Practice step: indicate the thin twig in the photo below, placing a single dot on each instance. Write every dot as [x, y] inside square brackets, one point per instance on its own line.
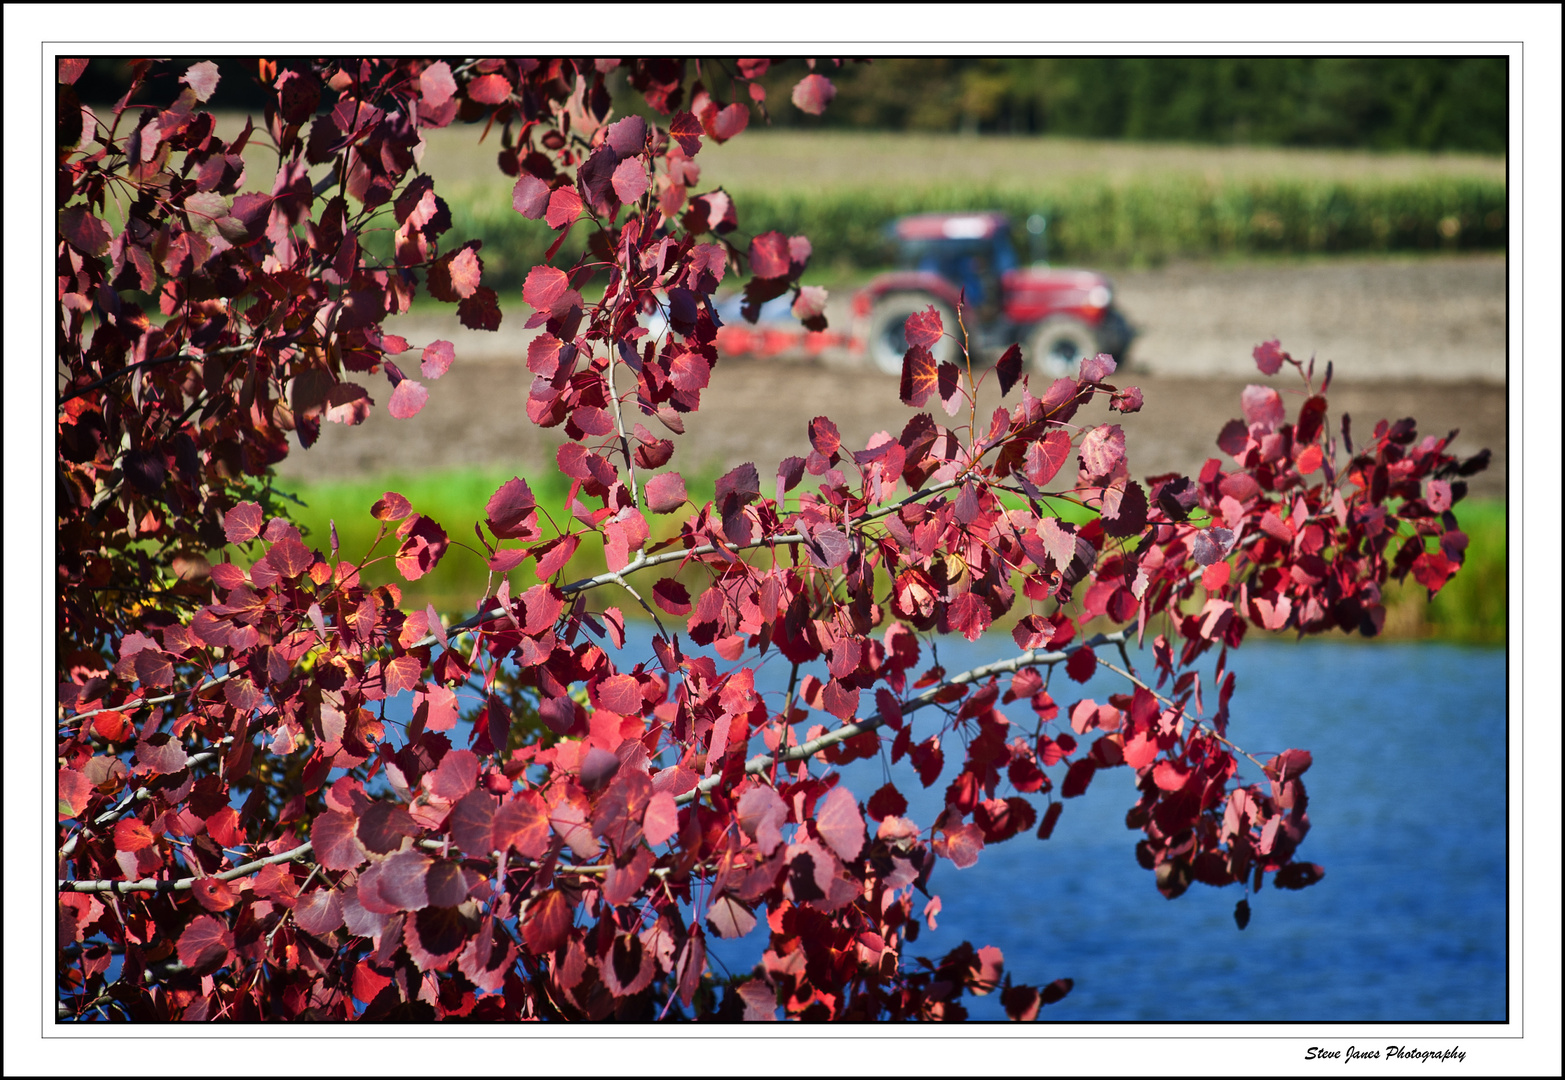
[1031, 658]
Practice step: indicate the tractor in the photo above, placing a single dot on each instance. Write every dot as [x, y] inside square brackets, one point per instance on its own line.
[946, 260]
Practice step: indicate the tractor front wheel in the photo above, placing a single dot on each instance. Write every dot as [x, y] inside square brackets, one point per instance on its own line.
[1056, 347]
[887, 341]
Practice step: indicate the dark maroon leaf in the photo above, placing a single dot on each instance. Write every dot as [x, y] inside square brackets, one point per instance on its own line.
[512, 513]
[1009, 368]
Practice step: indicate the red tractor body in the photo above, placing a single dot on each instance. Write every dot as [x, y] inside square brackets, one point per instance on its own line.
[947, 260]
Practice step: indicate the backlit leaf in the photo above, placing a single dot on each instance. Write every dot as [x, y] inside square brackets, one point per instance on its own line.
[812, 93]
[206, 942]
[920, 376]
[924, 328]
[839, 823]
[407, 399]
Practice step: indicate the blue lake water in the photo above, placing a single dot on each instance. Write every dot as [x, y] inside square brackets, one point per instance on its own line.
[1407, 811]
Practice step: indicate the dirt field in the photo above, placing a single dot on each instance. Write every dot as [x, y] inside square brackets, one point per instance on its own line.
[1422, 338]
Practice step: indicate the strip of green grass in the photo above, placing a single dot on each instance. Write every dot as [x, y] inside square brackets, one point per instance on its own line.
[1470, 609]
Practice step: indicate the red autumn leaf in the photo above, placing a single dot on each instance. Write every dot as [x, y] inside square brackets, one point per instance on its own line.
[530, 197]
[455, 776]
[472, 822]
[1046, 456]
[961, 845]
[620, 694]
[1009, 368]
[544, 287]
[407, 399]
[334, 838]
[243, 523]
[810, 306]
[1298, 876]
[436, 359]
[425, 542]
[214, 894]
[1262, 405]
[86, 233]
[391, 507]
[206, 942]
[564, 207]
[75, 791]
[686, 130]
[489, 89]
[920, 375]
[522, 823]
[1432, 570]
[671, 596]
[1127, 400]
[1094, 369]
[161, 754]
[132, 834]
[761, 814]
[839, 823]
[769, 255]
[1102, 448]
[1209, 545]
[630, 179]
[435, 84]
[730, 121]
[1269, 356]
[666, 493]
[924, 328]
[401, 880]
[812, 93]
[548, 922]
[1077, 777]
[318, 912]
[512, 512]
[661, 820]
[1051, 817]
[824, 436]
[1083, 663]
[969, 615]
[728, 918]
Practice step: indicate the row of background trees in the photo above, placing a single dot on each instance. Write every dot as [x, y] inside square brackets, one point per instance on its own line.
[1435, 103]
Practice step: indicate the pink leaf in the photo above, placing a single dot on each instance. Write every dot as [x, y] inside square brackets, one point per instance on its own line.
[202, 78]
[813, 93]
[564, 208]
[1269, 356]
[1262, 405]
[407, 399]
[436, 359]
[630, 179]
[839, 823]
[243, 523]
[666, 493]
[769, 255]
[530, 196]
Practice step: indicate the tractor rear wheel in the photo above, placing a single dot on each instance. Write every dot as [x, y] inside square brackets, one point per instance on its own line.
[887, 342]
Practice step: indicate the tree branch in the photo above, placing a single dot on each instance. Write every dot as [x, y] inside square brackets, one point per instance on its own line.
[183, 884]
[1030, 658]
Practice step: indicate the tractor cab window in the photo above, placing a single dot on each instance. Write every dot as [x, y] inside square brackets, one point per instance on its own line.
[973, 265]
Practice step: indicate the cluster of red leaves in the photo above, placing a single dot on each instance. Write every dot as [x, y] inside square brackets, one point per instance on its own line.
[246, 826]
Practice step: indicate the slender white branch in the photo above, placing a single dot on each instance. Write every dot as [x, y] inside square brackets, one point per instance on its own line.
[1030, 658]
[183, 884]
